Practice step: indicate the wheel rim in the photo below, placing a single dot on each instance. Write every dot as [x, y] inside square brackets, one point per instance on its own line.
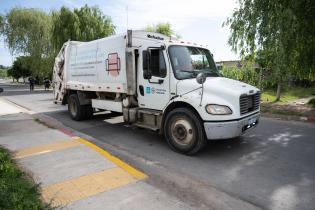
[73, 108]
[182, 132]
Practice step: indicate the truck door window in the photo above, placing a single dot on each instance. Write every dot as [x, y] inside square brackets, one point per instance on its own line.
[157, 63]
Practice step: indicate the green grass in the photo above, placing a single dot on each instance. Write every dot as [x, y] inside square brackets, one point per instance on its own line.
[16, 191]
[288, 94]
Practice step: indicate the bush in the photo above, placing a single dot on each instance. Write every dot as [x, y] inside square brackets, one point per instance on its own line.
[245, 74]
[3, 73]
[251, 76]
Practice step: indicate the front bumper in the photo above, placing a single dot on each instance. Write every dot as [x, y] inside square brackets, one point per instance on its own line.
[230, 129]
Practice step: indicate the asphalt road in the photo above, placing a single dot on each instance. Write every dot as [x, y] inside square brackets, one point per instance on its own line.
[271, 166]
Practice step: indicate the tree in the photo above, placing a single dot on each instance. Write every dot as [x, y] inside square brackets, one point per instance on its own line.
[93, 23]
[162, 28]
[20, 68]
[282, 31]
[27, 32]
[84, 24]
[65, 26]
[1, 23]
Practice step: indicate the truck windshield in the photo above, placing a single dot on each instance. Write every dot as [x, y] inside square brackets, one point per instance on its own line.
[187, 62]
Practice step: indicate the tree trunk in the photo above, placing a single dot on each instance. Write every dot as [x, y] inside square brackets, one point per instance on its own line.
[260, 78]
[278, 91]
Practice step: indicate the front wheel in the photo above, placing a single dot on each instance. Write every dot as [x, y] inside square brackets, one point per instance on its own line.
[184, 132]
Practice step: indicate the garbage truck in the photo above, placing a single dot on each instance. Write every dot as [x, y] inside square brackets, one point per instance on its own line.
[156, 82]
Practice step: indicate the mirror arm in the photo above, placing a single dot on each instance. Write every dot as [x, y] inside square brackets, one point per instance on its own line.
[201, 94]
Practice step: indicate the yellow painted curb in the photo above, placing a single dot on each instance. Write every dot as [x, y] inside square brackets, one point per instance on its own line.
[134, 172]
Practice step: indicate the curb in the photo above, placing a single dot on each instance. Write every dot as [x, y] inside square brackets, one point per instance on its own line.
[134, 172]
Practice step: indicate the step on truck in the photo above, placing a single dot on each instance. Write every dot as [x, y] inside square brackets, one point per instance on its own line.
[156, 82]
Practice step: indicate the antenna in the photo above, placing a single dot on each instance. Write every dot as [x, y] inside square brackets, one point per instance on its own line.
[127, 16]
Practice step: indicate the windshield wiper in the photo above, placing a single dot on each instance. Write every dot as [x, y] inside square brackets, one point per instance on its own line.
[189, 71]
[193, 72]
[210, 72]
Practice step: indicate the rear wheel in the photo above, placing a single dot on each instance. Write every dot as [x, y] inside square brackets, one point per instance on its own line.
[78, 112]
[183, 131]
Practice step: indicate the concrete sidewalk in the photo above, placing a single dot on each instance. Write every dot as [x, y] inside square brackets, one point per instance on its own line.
[74, 173]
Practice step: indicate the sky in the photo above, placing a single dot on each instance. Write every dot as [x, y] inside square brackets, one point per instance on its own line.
[197, 21]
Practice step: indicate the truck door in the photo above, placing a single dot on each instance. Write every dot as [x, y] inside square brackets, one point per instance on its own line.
[153, 92]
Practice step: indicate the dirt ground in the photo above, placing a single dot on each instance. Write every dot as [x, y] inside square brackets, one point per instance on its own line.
[293, 110]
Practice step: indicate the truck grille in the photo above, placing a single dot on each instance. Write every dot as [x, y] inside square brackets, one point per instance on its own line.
[249, 103]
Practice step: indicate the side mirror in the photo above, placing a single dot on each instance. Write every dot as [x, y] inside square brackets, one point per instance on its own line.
[146, 64]
[201, 78]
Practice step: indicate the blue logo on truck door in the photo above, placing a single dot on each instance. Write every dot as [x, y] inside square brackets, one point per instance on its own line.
[153, 91]
[147, 90]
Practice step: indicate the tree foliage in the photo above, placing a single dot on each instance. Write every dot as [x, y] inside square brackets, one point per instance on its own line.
[93, 23]
[3, 73]
[20, 68]
[162, 28]
[84, 24]
[280, 31]
[65, 26]
[246, 74]
[28, 32]
[39, 36]
[1, 23]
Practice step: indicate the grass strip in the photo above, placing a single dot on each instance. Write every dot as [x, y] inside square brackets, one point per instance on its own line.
[16, 190]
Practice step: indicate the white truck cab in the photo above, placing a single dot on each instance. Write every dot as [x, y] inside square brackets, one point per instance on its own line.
[156, 82]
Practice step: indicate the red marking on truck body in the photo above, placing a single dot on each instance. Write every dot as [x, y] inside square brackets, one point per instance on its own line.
[113, 64]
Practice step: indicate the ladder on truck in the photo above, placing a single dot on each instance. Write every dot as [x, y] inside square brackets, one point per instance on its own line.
[58, 76]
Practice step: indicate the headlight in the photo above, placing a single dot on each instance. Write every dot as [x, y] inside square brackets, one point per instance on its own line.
[218, 109]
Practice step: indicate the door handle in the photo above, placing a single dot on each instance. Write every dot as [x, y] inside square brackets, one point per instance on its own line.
[160, 81]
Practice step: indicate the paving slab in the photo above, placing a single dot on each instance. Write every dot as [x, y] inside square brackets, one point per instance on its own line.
[15, 117]
[5, 110]
[20, 127]
[58, 166]
[86, 186]
[45, 148]
[135, 196]
[22, 140]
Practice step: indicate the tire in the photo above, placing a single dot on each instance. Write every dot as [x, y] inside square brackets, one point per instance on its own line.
[78, 112]
[184, 132]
